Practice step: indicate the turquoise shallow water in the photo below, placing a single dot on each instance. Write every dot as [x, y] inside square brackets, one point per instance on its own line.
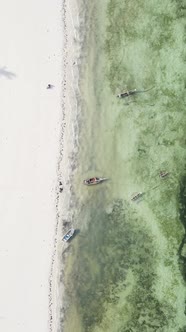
[126, 268]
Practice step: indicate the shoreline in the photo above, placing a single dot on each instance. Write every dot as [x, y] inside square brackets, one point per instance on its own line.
[66, 162]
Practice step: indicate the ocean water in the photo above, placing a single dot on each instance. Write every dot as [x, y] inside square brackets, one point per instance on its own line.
[126, 267]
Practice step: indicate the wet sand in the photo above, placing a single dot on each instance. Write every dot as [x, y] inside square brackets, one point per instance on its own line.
[66, 162]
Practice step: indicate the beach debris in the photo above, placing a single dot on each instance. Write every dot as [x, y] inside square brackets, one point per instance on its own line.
[60, 187]
[66, 223]
[68, 235]
[136, 196]
[163, 174]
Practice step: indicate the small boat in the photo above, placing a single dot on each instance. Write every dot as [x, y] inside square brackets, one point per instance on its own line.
[163, 174]
[126, 93]
[93, 181]
[136, 196]
[68, 235]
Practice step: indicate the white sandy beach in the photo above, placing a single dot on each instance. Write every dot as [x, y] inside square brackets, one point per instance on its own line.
[30, 58]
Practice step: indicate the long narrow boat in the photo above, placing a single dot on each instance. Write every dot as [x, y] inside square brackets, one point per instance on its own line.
[93, 181]
[163, 174]
[126, 93]
[68, 235]
[136, 196]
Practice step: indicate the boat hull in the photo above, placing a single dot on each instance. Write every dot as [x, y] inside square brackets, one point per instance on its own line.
[93, 181]
[68, 235]
[126, 94]
[137, 196]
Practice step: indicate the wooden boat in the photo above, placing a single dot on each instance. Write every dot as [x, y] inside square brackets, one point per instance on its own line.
[163, 174]
[126, 93]
[93, 181]
[68, 235]
[136, 196]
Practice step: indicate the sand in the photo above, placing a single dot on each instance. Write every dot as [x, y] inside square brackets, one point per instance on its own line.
[31, 57]
[66, 163]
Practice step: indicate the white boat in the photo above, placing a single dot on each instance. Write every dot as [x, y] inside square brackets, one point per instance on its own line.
[68, 235]
[126, 93]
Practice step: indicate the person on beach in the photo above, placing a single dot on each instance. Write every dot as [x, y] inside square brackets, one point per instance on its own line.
[50, 86]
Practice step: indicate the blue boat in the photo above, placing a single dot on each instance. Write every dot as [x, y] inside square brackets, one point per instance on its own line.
[68, 235]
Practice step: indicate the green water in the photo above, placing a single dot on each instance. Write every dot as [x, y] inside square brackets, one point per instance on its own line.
[126, 267]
